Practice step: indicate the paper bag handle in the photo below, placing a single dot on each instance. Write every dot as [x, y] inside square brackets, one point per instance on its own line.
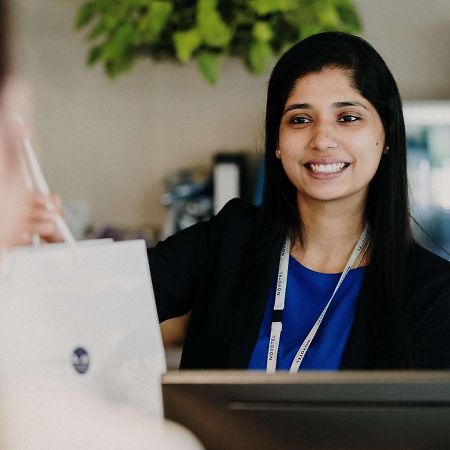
[35, 177]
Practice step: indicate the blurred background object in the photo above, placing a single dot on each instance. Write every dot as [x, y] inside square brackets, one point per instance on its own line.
[428, 141]
[149, 233]
[188, 199]
[78, 217]
[229, 178]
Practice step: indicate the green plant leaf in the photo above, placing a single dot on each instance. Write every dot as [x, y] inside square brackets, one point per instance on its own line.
[309, 29]
[260, 56]
[327, 14]
[208, 63]
[262, 32]
[264, 7]
[95, 54]
[286, 46]
[114, 68]
[214, 31]
[119, 43]
[97, 31]
[186, 42]
[111, 20]
[349, 17]
[85, 14]
[155, 20]
[303, 13]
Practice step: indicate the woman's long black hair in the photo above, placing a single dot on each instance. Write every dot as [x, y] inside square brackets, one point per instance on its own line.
[387, 207]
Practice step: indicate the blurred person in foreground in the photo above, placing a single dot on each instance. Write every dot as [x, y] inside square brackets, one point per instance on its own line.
[22, 213]
[38, 414]
[12, 195]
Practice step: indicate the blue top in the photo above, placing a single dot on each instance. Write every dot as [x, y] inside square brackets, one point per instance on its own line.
[307, 293]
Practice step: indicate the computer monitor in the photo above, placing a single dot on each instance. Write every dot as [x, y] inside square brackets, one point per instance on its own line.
[236, 410]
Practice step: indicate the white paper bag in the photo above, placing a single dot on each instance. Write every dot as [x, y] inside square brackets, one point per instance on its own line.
[84, 316]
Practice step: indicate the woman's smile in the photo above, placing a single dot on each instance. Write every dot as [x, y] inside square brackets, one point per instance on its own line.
[320, 168]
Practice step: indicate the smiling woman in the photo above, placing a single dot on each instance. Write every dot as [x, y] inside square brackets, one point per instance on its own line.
[326, 274]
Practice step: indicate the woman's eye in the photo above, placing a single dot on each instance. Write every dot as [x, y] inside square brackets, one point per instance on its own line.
[348, 118]
[299, 120]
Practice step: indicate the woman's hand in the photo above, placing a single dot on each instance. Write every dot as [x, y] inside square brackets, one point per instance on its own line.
[38, 220]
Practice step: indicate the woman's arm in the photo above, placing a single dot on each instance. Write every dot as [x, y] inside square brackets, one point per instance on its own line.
[176, 265]
[186, 262]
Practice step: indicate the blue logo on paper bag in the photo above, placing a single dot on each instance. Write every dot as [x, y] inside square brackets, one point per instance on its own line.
[80, 360]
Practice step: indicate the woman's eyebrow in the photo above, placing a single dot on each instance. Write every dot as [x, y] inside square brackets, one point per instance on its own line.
[344, 104]
[297, 106]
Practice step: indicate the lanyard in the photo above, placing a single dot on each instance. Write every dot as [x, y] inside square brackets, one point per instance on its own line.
[280, 294]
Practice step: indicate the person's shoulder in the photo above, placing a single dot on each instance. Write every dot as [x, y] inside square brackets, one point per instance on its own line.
[235, 224]
[238, 206]
[428, 263]
[429, 272]
[238, 212]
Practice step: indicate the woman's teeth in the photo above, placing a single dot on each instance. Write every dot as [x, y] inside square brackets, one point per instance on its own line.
[328, 168]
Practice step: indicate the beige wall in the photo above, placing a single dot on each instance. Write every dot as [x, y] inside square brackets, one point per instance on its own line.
[111, 142]
[414, 38]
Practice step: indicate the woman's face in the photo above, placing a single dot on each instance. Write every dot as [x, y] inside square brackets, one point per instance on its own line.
[331, 138]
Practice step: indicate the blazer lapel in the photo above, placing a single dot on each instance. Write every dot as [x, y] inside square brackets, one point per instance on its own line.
[258, 275]
[356, 353]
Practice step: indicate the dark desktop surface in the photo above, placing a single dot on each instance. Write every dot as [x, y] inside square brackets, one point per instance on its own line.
[312, 410]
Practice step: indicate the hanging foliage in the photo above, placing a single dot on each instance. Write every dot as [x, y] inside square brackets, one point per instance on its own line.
[120, 31]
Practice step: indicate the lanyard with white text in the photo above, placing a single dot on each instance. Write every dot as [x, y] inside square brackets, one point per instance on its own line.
[280, 294]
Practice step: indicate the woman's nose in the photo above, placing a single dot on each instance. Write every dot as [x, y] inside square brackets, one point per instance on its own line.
[323, 138]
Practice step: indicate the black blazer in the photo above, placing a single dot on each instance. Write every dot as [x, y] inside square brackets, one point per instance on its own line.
[219, 270]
